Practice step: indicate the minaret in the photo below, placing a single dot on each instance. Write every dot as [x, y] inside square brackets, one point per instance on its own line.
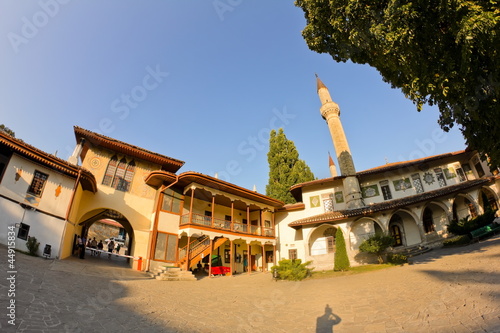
[330, 111]
[331, 165]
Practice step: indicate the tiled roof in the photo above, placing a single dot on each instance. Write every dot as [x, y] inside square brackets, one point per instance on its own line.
[167, 163]
[296, 189]
[156, 178]
[392, 204]
[50, 161]
[412, 163]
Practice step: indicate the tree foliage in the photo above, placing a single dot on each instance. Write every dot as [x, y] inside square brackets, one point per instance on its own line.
[285, 167]
[444, 53]
[293, 270]
[377, 244]
[7, 130]
[341, 260]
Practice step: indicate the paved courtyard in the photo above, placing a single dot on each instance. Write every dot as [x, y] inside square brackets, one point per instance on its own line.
[445, 290]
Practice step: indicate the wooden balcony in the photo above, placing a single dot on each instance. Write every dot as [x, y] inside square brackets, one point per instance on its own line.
[224, 225]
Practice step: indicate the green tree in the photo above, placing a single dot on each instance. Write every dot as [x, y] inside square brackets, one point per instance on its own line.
[285, 167]
[341, 261]
[377, 244]
[444, 53]
[7, 130]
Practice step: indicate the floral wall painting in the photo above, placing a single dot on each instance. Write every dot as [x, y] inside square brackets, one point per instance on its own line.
[370, 191]
[314, 200]
[449, 173]
[339, 197]
[402, 184]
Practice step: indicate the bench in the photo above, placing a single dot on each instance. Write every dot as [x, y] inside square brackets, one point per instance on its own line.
[484, 231]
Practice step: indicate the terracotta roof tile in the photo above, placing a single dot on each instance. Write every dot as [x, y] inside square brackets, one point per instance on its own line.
[392, 204]
[50, 161]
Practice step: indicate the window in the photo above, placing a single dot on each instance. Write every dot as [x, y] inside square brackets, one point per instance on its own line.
[172, 201]
[292, 254]
[119, 175]
[228, 218]
[386, 191]
[166, 245]
[461, 174]
[23, 231]
[110, 171]
[428, 221]
[329, 235]
[479, 168]
[417, 183]
[327, 202]
[440, 177]
[38, 183]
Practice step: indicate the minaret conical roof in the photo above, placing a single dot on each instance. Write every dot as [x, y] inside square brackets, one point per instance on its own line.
[319, 83]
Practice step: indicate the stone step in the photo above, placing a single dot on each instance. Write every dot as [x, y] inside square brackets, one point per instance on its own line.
[175, 278]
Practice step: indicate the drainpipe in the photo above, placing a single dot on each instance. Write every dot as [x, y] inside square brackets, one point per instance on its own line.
[155, 223]
[68, 211]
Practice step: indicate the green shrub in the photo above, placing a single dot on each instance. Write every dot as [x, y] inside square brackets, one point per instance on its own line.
[32, 245]
[397, 258]
[457, 241]
[377, 244]
[466, 225]
[293, 270]
[341, 260]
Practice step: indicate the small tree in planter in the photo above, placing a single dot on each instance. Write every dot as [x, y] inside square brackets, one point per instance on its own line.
[377, 244]
[293, 270]
[341, 261]
[32, 246]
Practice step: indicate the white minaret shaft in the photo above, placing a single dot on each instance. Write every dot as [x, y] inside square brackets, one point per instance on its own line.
[330, 111]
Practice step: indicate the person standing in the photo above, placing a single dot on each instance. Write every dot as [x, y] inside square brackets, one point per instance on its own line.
[111, 246]
[100, 246]
[82, 246]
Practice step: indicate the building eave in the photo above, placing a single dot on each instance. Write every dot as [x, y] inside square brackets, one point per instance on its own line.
[167, 163]
[87, 179]
[336, 216]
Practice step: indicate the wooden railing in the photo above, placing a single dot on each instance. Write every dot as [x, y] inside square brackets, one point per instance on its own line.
[221, 224]
[195, 247]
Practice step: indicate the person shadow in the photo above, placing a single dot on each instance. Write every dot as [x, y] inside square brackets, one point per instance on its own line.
[325, 323]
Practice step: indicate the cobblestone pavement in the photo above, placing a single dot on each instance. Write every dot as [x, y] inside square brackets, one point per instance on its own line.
[445, 290]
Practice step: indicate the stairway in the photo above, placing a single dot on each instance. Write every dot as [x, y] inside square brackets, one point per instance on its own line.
[199, 250]
[412, 251]
[172, 274]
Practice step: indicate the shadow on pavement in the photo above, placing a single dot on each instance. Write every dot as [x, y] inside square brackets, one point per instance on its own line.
[442, 252]
[325, 322]
[71, 295]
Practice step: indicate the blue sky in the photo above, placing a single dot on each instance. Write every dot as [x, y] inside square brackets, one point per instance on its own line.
[199, 81]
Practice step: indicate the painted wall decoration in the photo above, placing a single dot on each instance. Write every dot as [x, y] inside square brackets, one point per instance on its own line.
[95, 163]
[428, 178]
[339, 197]
[402, 184]
[314, 200]
[370, 191]
[449, 173]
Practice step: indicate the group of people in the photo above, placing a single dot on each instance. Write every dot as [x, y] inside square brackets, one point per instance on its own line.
[96, 247]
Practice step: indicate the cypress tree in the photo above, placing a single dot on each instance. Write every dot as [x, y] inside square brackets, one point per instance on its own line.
[341, 262]
[285, 167]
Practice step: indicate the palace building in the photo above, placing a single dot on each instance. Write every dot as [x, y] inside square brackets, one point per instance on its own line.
[185, 219]
[413, 201]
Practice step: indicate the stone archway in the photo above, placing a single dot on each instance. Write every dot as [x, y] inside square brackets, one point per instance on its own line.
[362, 229]
[112, 217]
[403, 227]
[464, 207]
[488, 200]
[434, 221]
